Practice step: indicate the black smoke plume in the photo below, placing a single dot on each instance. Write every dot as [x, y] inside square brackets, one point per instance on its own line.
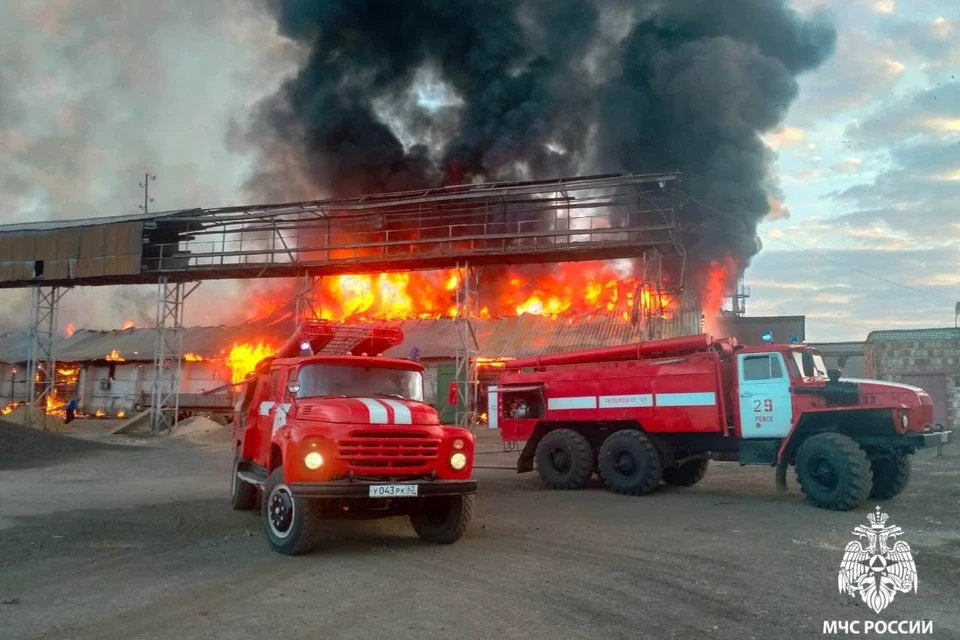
[537, 89]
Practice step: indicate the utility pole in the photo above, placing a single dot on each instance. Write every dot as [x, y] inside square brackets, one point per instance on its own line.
[145, 185]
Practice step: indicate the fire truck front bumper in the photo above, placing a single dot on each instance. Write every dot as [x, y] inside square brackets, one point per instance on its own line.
[384, 489]
[925, 439]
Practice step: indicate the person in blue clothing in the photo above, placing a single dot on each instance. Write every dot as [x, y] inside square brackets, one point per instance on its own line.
[71, 410]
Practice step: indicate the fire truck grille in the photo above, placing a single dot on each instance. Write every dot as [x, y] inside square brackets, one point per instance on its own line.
[386, 451]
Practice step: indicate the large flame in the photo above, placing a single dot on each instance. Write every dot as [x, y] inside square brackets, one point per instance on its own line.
[568, 290]
[55, 406]
[114, 356]
[244, 358]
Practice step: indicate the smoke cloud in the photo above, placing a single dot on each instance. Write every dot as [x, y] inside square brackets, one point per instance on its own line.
[395, 96]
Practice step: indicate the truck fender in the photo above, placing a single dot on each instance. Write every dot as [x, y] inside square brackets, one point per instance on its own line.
[786, 448]
[525, 461]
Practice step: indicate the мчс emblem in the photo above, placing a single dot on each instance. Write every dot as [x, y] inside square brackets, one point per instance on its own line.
[877, 566]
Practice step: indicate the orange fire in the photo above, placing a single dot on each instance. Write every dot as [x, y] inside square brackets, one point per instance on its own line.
[114, 356]
[121, 414]
[128, 324]
[192, 357]
[70, 329]
[495, 363]
[100, 413]
[55, 406]
[245, 357]
[8, 409]
[570, 290]
[719, 281]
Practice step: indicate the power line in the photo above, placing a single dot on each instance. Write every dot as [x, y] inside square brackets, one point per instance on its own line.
[828, 258]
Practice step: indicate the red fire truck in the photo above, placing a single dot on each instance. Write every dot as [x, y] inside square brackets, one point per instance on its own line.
[321, 435]
[643, 413]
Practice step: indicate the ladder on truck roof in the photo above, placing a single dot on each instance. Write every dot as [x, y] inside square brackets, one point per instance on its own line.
[330, 338]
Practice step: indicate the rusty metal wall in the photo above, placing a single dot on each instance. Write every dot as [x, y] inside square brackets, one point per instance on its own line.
[104, 250]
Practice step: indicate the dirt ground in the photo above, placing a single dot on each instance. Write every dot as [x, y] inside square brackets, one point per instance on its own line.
[137, 540]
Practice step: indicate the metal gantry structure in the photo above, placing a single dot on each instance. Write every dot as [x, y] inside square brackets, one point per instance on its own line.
[168, 354]
[468, 343]
[42, 364]
[464, 227]
[308, 303]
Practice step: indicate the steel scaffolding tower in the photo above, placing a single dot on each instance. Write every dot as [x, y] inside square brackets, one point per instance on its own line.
[468, 345]
[308, 300]
[168, 353]
[43, 326]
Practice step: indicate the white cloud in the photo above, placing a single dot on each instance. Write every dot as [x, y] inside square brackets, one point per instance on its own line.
[845, 294]
[847, 166]
[884, 6]
[784, 137]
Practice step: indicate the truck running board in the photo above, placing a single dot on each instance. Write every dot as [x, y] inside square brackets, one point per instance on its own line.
[252, 473]
[761, 452]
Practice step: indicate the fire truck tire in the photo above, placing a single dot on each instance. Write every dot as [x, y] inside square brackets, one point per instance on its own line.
[630, 463]
[243, 495]
[890, 476]
[443, 520]
[834, 471]
[564, 459]
[290, 524]
[687, 474]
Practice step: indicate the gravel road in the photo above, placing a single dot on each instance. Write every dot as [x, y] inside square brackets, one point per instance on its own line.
[138, 541]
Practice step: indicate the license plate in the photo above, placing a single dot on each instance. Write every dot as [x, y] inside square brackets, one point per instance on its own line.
[393, 491]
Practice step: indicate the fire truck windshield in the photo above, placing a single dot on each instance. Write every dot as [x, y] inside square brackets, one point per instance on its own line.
[810, 363]
[357, 381]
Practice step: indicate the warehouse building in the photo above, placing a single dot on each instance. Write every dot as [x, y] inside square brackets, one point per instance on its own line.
[927, 358]
[112, 372]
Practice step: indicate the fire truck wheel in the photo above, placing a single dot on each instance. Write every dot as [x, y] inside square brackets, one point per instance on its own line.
[687, 474]
[443, 520]
[564, 459]
[890, 476]
[834, 471]
[243, 495]
[290, 524]
[630, 463]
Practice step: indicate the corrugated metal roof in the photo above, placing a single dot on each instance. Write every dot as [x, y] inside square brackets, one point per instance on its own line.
[943, 333]
[43, 225]
[500, 338]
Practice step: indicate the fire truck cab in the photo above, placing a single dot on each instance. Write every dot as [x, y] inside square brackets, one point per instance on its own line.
[651, 412]
[321, 435]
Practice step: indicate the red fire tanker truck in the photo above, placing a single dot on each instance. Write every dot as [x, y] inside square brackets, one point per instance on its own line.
[323, 435]
[643, 413]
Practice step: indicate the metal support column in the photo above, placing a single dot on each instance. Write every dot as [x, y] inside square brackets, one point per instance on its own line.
[43, 326]
[309, 304]
[468, 346]
[168, 354]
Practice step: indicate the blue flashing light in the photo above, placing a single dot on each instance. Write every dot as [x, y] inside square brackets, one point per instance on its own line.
[794, 340]
[767, 336]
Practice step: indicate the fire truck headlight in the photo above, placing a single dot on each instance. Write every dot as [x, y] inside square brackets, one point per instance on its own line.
[313, 460]
[904, 420]
[458, 444]
[458, 461]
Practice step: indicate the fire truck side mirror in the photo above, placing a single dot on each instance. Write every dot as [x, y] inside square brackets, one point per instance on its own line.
[453, 394]
[293, 387]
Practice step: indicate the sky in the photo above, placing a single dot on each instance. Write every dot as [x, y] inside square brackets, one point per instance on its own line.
[95, 93]
[869, 163]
